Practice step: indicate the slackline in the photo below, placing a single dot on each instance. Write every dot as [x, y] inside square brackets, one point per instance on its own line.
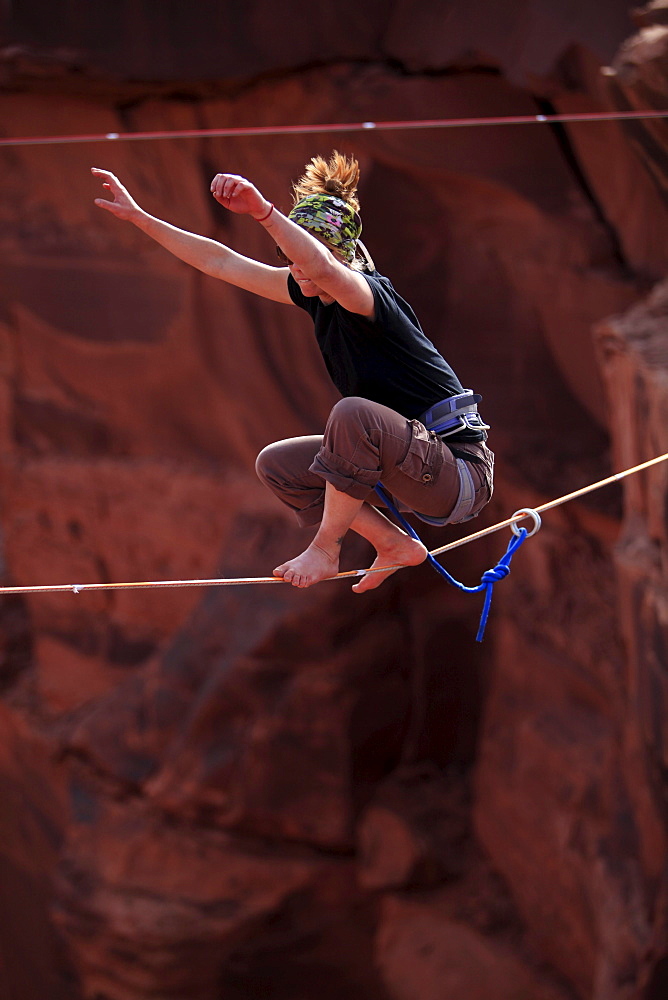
[78, 588]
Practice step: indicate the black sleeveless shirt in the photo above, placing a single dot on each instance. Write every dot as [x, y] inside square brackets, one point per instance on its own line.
[388, 359]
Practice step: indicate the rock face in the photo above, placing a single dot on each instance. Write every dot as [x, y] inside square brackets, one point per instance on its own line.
[138, 40]
[247, 791]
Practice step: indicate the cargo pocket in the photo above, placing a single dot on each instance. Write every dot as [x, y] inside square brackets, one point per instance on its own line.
[424, 458]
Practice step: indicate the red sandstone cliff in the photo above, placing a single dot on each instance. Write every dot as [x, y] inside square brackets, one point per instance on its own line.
[256, 792]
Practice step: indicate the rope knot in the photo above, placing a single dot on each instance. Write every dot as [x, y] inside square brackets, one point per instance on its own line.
[494, 575]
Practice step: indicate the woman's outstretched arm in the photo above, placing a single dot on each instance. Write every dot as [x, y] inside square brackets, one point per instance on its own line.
[206, 255]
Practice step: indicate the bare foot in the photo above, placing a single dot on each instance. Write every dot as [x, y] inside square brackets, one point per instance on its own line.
[405, 551]
[312, 566]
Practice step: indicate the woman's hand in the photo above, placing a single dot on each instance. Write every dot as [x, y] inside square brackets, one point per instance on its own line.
[239, 195]
[123, 206]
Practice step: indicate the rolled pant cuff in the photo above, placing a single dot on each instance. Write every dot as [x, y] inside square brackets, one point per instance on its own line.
[343, 475]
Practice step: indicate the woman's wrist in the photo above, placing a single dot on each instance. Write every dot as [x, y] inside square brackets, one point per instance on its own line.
[266, 215]
[149, 223]
[142, 220]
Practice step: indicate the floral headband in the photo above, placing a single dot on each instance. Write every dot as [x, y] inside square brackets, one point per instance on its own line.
[331, 218]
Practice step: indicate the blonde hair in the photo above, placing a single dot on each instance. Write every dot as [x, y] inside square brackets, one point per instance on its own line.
[338, 176]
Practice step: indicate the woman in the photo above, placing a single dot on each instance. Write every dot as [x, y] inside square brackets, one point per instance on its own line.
[404, 418]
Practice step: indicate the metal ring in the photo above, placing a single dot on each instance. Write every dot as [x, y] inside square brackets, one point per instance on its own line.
[530, 512]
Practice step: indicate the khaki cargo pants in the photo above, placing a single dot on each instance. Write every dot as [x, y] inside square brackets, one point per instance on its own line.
[365, 443]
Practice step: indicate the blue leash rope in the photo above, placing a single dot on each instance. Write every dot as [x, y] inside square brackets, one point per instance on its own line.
[489, 577]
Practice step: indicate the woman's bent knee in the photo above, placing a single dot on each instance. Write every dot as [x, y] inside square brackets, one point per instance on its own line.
[288, 460]
[353, 409]
[266, 462]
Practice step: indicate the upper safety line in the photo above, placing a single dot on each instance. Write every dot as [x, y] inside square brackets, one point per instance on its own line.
[275, 130]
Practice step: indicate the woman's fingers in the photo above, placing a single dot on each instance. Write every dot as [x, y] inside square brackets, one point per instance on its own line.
[98, 172]
[225, 188]
[120, 203]
[235, 192]
[110, 182]
[221, 185]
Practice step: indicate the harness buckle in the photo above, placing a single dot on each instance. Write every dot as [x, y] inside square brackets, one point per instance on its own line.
[456, 413]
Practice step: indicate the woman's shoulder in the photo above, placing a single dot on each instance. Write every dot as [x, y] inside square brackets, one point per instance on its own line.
[380, 282]
[383, 289]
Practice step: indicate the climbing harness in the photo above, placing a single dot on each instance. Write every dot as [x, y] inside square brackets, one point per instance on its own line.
[455, 414]
[445, 418]
[499, 571]
[450, 416]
